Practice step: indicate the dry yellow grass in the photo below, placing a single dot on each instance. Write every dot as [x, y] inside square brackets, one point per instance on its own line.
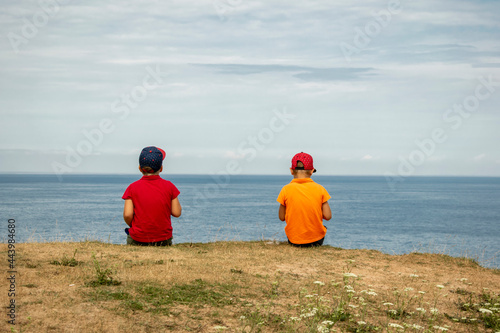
[246, 286]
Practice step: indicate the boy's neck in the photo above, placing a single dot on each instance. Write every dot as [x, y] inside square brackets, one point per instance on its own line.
[301, 176]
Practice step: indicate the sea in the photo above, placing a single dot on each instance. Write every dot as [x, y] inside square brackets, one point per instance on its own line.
[457, 216]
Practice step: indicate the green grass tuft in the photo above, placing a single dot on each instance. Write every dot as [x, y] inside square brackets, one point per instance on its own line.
[103, 276]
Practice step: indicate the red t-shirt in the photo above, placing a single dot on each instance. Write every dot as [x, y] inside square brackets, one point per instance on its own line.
[152, 198]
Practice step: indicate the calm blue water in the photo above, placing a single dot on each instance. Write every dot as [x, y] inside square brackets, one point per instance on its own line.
[454, 215]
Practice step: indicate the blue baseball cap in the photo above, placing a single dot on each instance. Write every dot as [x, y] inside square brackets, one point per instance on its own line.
[152, 157]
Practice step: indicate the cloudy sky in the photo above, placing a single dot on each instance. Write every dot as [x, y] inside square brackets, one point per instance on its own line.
[366, 87]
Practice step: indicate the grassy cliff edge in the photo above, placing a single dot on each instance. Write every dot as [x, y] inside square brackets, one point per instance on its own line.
[261, 286]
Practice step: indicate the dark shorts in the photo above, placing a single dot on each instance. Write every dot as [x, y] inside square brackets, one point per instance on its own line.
[316, 243]
[131, 241]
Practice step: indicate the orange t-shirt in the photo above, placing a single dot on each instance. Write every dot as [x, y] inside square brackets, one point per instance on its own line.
[303, 199]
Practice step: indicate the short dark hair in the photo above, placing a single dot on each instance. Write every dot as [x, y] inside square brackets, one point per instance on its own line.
[146, 170]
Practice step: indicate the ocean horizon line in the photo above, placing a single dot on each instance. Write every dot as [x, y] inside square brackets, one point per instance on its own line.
[241, 174]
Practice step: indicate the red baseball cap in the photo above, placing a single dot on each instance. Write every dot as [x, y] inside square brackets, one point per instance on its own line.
[306, 159]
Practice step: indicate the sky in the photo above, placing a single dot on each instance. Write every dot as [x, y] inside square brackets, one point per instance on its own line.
[397, 88]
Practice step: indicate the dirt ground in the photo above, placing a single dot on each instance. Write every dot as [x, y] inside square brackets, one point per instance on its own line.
[243, 287]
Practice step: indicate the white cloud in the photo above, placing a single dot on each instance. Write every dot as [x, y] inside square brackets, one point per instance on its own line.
[233, 155]
[479, 157]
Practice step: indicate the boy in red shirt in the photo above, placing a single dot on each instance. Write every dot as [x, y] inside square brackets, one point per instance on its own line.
[149, 203]
[304, 205]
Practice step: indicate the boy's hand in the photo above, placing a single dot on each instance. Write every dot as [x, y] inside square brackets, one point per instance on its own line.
[176, 209]
[128, 212]
[327, 212]
[282, 212]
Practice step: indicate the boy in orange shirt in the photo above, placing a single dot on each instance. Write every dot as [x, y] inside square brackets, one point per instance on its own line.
[304, 205]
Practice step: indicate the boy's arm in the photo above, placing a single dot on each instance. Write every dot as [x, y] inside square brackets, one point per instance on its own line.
[128, 212]
[176, 209]
[327, 212]
[282, 212]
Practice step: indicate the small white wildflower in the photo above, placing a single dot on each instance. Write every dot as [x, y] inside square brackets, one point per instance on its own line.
[440, 286]
[463, 279]
[393, 311]
[350, 291]
[220, 328]
[414, 276]
[361, 322]
[327, 322]
[323, 329]
[422, 310]
[395, 325]
[243, 317]
[440, 328]
[485, 311]
[388, 304]
[408, 289]
[294, 319]
[369, 292]
[434, 311]
[350, 275]
[417, 327]
[353, 306]
[309, 296]
[319, 283]
[421, 292]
